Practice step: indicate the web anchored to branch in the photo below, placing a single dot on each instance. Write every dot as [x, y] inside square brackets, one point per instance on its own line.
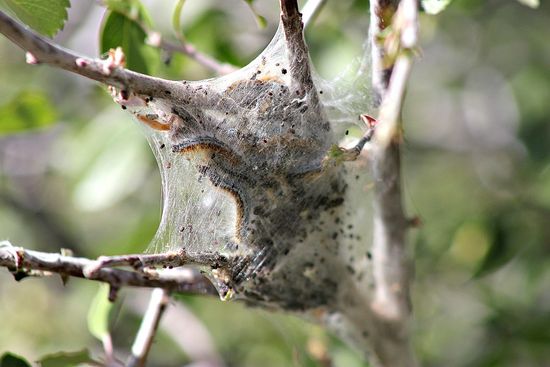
[250, 173]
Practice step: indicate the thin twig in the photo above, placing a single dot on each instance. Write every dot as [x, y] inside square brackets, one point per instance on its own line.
[155, 39]
[167, 259]
[24, 263]
[185, 329]
[148, 328]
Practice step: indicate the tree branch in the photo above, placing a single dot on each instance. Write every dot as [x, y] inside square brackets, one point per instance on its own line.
[43, 50]
[391, 264]
[24, 263]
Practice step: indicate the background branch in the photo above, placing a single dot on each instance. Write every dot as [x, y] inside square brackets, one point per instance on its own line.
[392, 265]
[183, 327]
[155, 39]
[148, 328]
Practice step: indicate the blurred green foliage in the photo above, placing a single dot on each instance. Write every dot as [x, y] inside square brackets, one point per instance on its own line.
[26, 111]
[99, 313]
[476, 170]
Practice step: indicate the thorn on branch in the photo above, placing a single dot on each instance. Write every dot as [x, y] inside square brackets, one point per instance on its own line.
[415, 222]
[113, 292]
[18, 275]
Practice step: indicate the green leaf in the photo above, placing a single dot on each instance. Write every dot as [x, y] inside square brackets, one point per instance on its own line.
[98, 314]
[133, 9]
[12, 360]
[66, 359]
[28, 110]
[44, 16]
[434, 6]
[530, 3]
[121, 31]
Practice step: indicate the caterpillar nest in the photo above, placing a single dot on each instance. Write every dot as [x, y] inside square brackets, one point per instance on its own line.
[256, 190]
